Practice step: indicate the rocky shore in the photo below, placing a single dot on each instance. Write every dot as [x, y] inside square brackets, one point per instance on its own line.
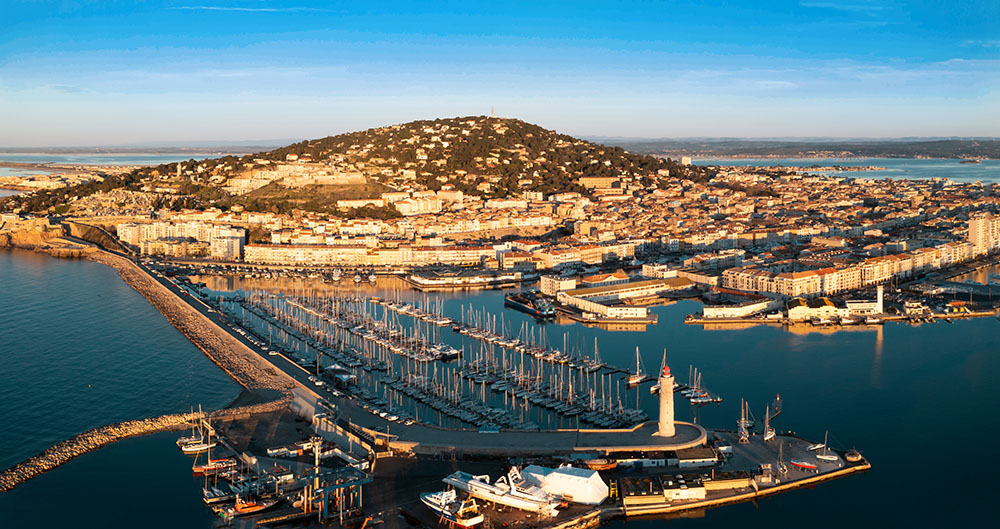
[97, 438]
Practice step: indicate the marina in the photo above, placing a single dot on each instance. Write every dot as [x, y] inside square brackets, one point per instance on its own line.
[614, 459]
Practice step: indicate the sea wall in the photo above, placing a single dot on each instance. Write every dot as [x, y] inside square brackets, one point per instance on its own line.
[232, 356]
[97, 438]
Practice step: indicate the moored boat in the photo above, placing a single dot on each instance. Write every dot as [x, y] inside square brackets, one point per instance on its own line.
[213, 466]
[510, 490]
[530, 303]
[447, 505]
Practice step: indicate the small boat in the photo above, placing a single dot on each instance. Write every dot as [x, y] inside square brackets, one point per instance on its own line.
[357, 278]
[826, 456]
[638, 377]
[213, 466]
[447, 505]
[251, 506]
[372, 278]
[803, 464]
[195, 446]
[601, 464]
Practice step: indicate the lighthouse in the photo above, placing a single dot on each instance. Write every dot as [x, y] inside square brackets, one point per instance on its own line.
[666, 403]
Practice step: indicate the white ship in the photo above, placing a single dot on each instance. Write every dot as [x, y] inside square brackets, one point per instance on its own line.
[510, 490]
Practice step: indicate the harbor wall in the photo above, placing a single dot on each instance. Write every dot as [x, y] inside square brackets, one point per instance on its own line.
[232, 356]
[99, 437]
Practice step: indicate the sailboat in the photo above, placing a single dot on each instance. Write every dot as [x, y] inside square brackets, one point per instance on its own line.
[638, 377]
[211, 466]
[655, 388]
[768, 431]
[826, 456]
[196, 442]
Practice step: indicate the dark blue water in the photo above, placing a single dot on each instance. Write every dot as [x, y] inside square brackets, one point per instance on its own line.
[141, 482]
[79, 348]
[897, 168]
[917, 401]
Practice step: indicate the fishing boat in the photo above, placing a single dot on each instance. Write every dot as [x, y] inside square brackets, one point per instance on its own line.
[510, 490]
[447, 505]
[803, 464]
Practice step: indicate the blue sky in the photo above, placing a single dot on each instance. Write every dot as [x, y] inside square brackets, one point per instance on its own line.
[119, 72]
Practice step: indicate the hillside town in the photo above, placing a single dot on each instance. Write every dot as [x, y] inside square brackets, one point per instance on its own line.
[494, 196]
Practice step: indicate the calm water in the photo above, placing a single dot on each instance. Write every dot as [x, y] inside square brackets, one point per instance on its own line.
[8, 192]
[898, 168]
[17, 171]
[101, 159]
[79, 348]
[916, 400]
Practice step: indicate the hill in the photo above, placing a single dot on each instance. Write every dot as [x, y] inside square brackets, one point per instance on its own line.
[478, 155]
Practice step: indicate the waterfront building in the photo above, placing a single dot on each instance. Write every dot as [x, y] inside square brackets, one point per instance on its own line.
[552, 285]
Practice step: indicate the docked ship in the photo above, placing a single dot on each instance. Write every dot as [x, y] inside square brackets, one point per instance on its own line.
[530, 303]
[510, 490]
[447, 505]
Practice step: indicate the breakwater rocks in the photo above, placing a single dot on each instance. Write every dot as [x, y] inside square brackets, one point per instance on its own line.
[96, 438]
[236, 359]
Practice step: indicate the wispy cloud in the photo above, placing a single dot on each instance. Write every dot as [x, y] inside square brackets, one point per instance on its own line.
[292, 9]
[867, 8]
[980, 43]
[68, 89]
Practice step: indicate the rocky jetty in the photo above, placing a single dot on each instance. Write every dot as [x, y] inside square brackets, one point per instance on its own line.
[97, 438]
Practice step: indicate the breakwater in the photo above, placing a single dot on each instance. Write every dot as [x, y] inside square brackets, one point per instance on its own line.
[232, 356]
[225, 351]
[101, 436]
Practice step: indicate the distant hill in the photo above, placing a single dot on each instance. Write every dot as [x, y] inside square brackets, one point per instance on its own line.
[901, 148]
[479, 155]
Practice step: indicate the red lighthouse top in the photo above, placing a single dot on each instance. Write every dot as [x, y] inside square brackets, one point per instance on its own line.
[666, 371]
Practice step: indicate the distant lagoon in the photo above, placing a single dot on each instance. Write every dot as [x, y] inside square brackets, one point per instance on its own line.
[102, 158]
[896, 168]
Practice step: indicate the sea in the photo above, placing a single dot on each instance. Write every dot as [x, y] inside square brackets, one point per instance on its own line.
[81, 349]
[987, 171]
